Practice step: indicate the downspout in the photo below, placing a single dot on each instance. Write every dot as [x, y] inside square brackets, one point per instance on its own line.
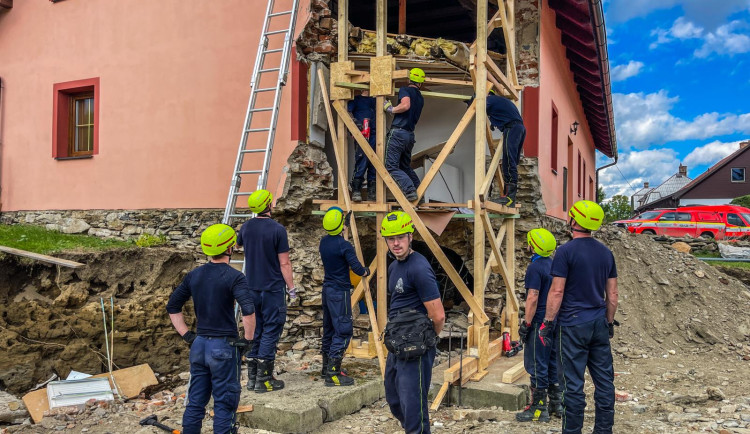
[600, 35]
[2, 119]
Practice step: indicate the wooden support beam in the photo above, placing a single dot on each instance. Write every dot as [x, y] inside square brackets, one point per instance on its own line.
[432, 80]
[469, 368]
[496, 349]
[348, 85]
[447, 149]
[500, 209]
[381, 49]
[439, 397]
[409, 209]
[496, 146]
[513, 374]
[509, 87]
[40, 257]
[509, 33]
[360, 289]
[491, 173]
[360, 207]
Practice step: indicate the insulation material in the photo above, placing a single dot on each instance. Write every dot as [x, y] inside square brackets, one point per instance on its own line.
[457, 53]
[76, 392]
[733, 252]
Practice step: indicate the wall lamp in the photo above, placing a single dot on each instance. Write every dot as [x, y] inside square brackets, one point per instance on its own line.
[574, 128]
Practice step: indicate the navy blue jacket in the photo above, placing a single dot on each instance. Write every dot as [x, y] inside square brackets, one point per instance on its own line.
[338, 256]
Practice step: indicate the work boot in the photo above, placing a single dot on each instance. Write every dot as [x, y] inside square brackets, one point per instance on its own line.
[335, 376]
[323, 371]
[252, 372]
[509, 199]
[372, 193]
[265, 381]
[357, 190]
[537, 410]
[411, 197]
[555, 400]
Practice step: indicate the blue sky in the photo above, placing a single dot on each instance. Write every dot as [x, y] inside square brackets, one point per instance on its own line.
[680, 84]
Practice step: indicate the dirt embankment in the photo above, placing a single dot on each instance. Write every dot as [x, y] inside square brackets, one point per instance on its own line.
[51, 319]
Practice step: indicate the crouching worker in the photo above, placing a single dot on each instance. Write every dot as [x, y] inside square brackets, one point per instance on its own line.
[539, 360]
[415, 318]
[215, 349]
[338, 256]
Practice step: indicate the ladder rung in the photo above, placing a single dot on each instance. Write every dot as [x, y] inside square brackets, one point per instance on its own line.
[257, 130]
[248, 172]
[262, 109]
[237, 261]
[243, 193]
[265, 89]
[276, 32]
[276, 14]
[239, 215]
[252, 151]
[275, 50]
[269, 70]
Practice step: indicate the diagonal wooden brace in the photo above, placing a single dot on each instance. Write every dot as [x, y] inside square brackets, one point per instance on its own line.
[409, 209]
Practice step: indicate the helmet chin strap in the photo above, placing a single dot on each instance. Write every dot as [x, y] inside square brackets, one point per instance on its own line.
[574, 229]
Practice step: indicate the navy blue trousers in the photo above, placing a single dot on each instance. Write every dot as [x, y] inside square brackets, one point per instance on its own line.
[581, 346]
[270, 316]
[214, 369]
[406, 387]
[513, 138]
[362, 164]
[398, 149]
[337, 320]
[540, 360]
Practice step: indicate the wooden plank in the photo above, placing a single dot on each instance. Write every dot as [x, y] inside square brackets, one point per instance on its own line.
[359, 207]
[469, 368]
[381, 72]
[509, 33]
[439, 397]
[496, 147]
[130, 382]
[342, 82]
[500, 209]
[483, 340]
[448, 81]
[487, 180]
[510, 262]
[495, 349]
[40, 257]
[244, 408]
[447, 149]
[513, 374]
[409, 209]
[381, 39]
[502, 79]
[430, 94]
[342, 24]
[360, 289]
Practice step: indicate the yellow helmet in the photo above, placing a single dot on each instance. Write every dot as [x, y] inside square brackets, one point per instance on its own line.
[589, 215]
[416, 75]
[216, 239]
[542, 241]
[396, 223]
[333, 221]
[259, 200]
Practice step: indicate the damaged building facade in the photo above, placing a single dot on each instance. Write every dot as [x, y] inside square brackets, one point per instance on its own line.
[131, 126]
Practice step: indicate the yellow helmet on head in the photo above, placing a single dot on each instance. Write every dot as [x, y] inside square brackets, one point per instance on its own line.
[333, 221]
[259, 200]
[416, 75]
[396, 223]
[216, 239]
[542, 241]
[589, 215]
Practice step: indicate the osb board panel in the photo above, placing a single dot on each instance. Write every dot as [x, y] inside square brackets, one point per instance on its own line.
[338, 74]
[381, 75]
[130, 382]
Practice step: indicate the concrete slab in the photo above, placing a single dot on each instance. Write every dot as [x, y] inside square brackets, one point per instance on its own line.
[306, 403]
[488, 392]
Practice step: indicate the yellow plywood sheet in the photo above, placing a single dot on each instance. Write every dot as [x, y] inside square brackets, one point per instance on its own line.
[381, 75]
[339, 74]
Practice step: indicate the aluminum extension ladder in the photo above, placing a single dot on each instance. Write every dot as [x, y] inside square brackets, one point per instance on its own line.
[247, 144]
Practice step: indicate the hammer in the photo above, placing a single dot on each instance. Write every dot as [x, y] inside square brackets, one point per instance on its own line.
[154, 421]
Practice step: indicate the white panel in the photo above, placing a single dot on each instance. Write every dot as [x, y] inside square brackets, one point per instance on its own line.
[75, 392]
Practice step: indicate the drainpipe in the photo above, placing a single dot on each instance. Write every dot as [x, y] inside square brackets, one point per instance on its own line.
[600, 35]
[2, 118]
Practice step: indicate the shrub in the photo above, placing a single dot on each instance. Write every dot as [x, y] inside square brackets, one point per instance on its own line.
[148, 240]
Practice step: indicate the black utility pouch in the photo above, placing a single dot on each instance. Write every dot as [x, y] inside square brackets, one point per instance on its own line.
[409, 335]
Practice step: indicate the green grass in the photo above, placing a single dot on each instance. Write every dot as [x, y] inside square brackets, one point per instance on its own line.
[40, 240]
[745, 265]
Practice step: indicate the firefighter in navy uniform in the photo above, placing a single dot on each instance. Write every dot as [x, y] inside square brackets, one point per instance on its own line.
[583, 297]
[215, 350]
[415, 318]
[267, 264]
[539, 360]
[338, 256]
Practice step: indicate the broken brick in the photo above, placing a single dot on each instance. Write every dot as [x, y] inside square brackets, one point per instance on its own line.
[324, 47]
[326, 23]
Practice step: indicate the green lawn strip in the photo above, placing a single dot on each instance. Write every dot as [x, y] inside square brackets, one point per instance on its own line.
[40, 240]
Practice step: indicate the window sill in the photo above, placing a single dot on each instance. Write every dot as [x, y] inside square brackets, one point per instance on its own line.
[80, 157]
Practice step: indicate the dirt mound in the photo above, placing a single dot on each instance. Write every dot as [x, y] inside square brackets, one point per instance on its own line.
[670, 300]
[51, 319]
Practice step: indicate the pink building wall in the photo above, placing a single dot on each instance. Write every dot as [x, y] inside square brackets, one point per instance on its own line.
[174, 83]
[557, 87]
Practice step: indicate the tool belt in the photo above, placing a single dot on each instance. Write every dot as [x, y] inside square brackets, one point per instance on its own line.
[409, 334]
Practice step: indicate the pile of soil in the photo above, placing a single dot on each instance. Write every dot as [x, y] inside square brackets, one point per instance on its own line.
[51, 318]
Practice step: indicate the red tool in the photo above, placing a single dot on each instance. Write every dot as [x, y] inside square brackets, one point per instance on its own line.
[506, 342]
[510, 348]
[366, 128]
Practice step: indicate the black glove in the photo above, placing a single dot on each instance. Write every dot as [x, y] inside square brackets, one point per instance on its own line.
[469, 101]
[367, 272]
[544, 331]
[348, 219]
[189, 337]
[523, 331]
[359, 124]
[611, 327]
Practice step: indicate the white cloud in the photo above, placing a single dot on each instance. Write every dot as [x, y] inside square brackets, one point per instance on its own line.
[710, 153]
[635, 168]
[645, 119]
[623, 72]
[707, 14]
[727, 39]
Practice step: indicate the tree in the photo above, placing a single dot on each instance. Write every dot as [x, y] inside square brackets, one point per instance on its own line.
[600, 195]
[742, 201]
[617, 208]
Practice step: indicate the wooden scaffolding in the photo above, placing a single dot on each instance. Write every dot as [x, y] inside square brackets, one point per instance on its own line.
[379, 80]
